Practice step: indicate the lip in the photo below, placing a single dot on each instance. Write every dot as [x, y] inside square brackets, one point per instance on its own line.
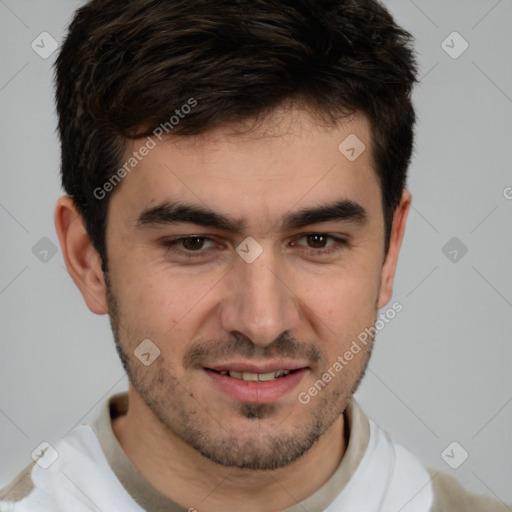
[256, 392]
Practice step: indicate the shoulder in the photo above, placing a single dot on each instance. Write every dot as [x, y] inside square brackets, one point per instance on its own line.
[450, 495]
[43, 484]
[413, 486]
[20, 486]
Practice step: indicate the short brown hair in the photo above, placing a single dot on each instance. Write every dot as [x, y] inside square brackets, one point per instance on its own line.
[131, 64]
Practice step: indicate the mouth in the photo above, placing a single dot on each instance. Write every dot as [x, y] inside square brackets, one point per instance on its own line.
[253, 377]
[249, 385]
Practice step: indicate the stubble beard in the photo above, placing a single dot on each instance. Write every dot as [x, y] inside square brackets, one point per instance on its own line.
[254, 448]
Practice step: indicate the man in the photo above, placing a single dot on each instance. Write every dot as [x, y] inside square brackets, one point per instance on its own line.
[235, 175]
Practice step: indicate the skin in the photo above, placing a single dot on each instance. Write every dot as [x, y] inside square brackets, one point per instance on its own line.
[188, 438]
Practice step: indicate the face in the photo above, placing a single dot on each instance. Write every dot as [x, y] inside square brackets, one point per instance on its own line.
[239, 255]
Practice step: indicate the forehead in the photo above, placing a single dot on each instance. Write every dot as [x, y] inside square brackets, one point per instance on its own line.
[256, 173]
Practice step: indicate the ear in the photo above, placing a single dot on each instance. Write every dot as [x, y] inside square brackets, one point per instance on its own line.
[395, 242]
[81, 258]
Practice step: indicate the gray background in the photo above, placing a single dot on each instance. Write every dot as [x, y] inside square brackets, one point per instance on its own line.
[441, 369]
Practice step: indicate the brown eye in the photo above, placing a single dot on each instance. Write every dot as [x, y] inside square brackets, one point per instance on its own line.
[189, 246]
[193, 243]
[318, 243]
[317, 240]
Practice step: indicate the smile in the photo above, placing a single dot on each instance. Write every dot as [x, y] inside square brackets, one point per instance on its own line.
[262, 387]
[262, 377]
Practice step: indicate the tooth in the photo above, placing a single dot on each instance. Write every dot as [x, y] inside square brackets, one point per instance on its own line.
[266, 376]
[249, 376]
[254, 377]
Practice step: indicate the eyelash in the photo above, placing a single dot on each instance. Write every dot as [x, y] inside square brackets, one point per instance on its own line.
[171, 244]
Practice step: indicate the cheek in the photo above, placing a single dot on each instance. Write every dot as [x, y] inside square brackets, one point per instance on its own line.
[160, 302]
[343, 300]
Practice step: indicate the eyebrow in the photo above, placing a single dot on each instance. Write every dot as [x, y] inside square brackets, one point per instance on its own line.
[175, 212]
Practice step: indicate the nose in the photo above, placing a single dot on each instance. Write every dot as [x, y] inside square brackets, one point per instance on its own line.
[259, 302]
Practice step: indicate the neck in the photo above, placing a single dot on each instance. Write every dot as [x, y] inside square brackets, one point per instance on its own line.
[186, 477]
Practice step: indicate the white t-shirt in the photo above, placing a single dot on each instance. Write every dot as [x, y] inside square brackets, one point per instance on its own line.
[88, 471]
